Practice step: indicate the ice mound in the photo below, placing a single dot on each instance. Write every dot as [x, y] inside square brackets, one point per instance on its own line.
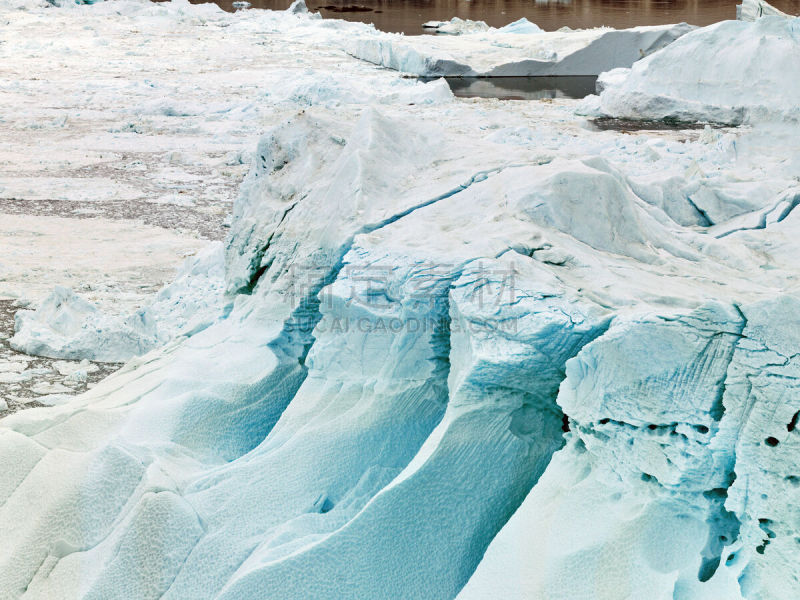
[730, 73]
[320, 88]
[521, 26]
[67, 326]
[298, 7]
[519, 49]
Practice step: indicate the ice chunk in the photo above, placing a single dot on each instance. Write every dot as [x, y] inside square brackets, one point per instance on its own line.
[731, 72]
[521, 26]
[457, 26]
[750, 10]
[298, 7]
[498, 53]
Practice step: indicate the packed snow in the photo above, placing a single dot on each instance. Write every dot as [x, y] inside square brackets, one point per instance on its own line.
[450, 349]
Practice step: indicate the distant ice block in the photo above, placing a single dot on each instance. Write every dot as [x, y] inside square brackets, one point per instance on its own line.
[521, 26]
[750, 10]
[730, 72]
[456, 26]
[519, 49]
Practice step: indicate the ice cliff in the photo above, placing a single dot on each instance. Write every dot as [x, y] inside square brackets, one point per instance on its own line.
[466, 352]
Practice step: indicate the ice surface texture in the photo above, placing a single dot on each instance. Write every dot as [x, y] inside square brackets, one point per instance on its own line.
[467, 355]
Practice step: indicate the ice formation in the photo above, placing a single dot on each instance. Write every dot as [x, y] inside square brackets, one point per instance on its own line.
[756, 77]
[473, 350]
[67, 326]
[518, 49]
[750, 10]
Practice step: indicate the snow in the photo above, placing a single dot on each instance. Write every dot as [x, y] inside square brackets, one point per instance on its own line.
[449, 349]
[757, 77]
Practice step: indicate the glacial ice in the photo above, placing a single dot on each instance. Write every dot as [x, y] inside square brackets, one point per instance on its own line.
[515, 50]
[466, 350]
[456, 26]
[750, 10]
[756, 77]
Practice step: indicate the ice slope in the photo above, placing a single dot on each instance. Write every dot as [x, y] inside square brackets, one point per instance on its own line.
[466, 356]
[511, 52]
[731, 72]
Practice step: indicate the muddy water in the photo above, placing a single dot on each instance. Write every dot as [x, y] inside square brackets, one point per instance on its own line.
[408, 15]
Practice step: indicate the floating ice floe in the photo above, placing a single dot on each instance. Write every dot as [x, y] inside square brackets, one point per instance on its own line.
[730, 72]
[456, 26]
[519, 49]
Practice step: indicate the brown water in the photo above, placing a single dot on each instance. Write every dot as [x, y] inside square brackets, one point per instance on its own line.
[408, 15]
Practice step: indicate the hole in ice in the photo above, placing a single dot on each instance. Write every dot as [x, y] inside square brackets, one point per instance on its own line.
[565, 424]
[521, 88]
[708, 568]
[793, 423]
[323, 504]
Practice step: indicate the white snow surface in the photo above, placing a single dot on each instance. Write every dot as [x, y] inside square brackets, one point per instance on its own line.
[732, 72]
[476, 349]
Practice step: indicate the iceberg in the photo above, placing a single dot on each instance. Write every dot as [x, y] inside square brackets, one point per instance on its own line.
[731, 72]
[449, 350]
[517, 50]
[456, 26]
[521, 26]
[750, 10]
